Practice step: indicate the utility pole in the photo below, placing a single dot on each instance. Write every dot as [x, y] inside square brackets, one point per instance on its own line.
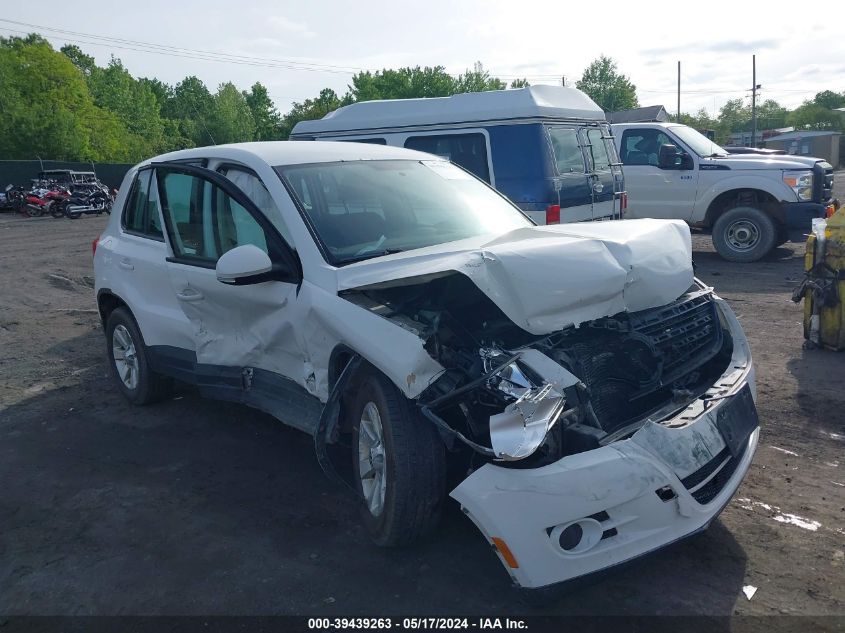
[563, 80]
[754, 88]
[679, 92]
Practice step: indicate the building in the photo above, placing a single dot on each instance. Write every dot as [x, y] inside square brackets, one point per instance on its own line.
[819, 143]
[639, 115]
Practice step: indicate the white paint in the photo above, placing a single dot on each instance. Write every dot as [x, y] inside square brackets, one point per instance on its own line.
[792, 519]
[836, 483]
[749, 591]
[834, 436]
[538, 277]
[783, 450]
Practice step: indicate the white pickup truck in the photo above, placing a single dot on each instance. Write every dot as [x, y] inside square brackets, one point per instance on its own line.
[750, 203]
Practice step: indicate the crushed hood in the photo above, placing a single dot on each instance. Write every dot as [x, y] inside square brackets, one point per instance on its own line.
[545, 278]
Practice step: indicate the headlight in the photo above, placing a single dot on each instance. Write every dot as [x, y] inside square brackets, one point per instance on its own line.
[801, 182]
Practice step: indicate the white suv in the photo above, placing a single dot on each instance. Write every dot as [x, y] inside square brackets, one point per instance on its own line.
[597, 400]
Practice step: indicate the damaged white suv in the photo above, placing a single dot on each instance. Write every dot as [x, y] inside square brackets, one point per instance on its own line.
[596, 400]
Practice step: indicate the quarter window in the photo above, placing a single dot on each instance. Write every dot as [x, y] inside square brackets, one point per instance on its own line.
[203, 220]
[140, 214]
[467, 150]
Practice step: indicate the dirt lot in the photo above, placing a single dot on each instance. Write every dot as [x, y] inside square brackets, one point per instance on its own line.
[198, 507]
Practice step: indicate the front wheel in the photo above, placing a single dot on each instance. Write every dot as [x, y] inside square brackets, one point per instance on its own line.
[399, 463]
[744, 234]
[57, 211]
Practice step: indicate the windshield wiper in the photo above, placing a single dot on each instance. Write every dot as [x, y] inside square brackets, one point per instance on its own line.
[370, 255]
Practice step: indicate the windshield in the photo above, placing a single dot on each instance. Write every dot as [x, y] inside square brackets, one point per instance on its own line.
[363, 209]
[697, 142]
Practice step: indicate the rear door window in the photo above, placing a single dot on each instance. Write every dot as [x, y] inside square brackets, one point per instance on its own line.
[467, 150]
[567, 151]
[597, 150]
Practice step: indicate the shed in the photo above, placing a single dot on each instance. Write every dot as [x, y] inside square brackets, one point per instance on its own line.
[820, 143]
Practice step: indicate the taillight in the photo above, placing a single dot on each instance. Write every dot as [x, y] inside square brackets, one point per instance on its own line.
[94, 246]
[830, 210]
[553, 214]
[623, 201]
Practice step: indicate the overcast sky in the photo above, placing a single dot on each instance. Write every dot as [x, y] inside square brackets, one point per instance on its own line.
[800, 47]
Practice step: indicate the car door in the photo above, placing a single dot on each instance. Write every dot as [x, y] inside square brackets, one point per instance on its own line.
[244, 335]
[655, 192]
[602, 172]
[571, 181]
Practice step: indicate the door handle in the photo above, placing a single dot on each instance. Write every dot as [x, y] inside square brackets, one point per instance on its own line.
[126, 264]
[189, 294]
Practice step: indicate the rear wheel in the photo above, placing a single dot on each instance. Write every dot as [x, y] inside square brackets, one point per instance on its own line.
[399, 464]
[129, 363]
[744, 234]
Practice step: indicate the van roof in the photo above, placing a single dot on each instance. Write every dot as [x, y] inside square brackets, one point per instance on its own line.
[547, 102]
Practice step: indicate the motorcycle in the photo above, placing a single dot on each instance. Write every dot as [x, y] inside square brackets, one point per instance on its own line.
[37, 202]
[87, 200]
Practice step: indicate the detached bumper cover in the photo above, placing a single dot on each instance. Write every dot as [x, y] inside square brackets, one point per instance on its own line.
[667, 481]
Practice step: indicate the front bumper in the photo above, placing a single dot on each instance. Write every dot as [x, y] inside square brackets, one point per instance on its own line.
[798, 218]
[669, 480]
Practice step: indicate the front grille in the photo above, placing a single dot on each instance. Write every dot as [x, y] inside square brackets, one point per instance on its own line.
[687, 333]
[708, 491]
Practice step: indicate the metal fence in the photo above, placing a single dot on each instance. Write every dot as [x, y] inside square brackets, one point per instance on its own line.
[20, 172]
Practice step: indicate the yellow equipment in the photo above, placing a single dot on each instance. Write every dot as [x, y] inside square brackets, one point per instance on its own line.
[823, 288]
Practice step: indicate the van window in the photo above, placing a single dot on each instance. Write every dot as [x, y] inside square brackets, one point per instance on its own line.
[567, 151]
[597, 150]
[467, 150]
[140, 215]
[371, 141]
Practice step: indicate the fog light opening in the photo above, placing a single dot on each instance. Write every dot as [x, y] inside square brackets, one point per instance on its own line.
[577, 536]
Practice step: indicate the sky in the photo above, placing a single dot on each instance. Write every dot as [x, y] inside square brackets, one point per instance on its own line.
[297, 48]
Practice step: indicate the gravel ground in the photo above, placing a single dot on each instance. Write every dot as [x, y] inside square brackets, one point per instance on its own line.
[200, 507]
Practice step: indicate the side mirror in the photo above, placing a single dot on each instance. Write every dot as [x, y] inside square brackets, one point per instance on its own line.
[668, 157]
[244, 265]
[9, 187]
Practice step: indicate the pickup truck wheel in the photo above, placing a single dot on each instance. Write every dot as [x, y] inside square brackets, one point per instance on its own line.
[128, 361]
[399, 464]
[744, 234]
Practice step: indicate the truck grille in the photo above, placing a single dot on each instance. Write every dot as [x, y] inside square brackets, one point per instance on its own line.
[687, 333]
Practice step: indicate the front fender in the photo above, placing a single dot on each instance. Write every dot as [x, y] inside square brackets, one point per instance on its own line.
[775, 188]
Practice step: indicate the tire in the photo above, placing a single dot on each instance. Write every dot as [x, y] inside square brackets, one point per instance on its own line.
[57, 211]
[744, 234]
[147, 386]
[34, 211]
[413, 462]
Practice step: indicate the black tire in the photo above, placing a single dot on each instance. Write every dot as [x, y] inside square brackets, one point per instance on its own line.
[74, 215]
[415, 465]
[34, 211]
[57, 211]
[732, 227]
[150, 387]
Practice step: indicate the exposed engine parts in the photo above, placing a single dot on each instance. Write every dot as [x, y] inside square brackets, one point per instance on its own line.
[515, 397]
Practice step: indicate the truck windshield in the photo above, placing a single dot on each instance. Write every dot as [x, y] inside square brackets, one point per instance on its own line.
[697, 142]
[364, 209]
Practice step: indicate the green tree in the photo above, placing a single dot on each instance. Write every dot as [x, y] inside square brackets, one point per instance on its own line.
[264, 113]
[520, 83]
[231, 119]
[48, 110]
[478, 80]
[191, 106]
[812, 116]
[770, 115]
[85, 63]
[161, 91]
[402, 83]
[310, 109]
[611, 90]
[829, 99]
[134, 103]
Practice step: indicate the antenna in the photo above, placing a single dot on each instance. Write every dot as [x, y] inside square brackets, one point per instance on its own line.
[205, 127]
